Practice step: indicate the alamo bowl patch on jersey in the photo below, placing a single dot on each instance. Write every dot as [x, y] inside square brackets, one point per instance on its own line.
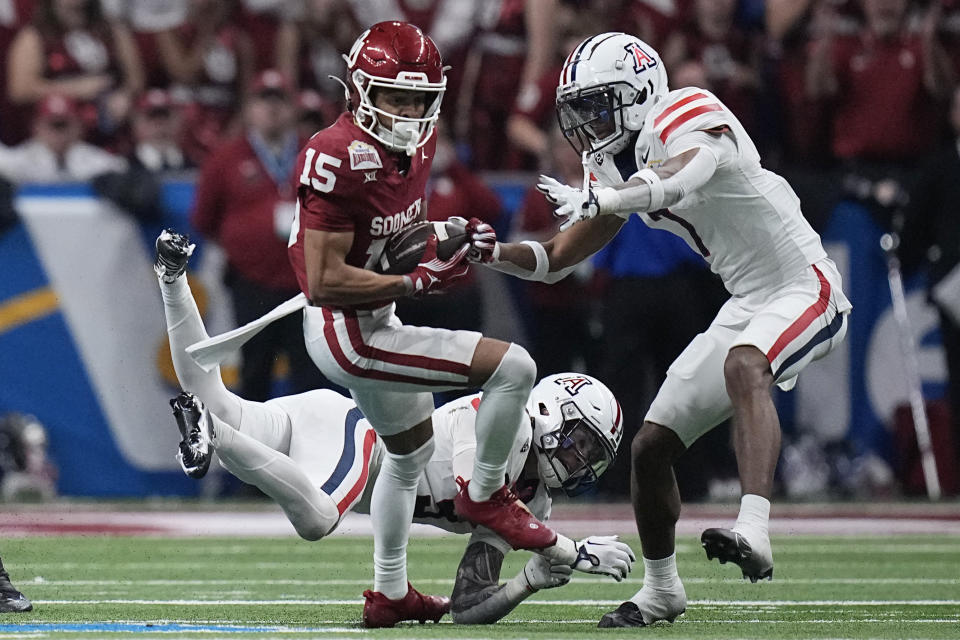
[363, 156]
[404, 249]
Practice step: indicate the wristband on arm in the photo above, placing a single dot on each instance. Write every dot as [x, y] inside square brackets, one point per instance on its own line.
[538, 274]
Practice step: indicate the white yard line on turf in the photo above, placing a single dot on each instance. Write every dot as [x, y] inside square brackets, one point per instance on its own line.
[449, 581]
[556, 603]
[254, 524]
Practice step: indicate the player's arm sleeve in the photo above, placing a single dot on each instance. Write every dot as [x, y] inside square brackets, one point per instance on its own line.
[697, 155]
[478, 598]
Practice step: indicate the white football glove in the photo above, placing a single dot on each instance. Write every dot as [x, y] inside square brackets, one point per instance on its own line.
[573, 204]
[604, 555]
[543, 574]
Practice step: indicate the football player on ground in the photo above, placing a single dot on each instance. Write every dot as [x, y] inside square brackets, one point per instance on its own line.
[11, 600]
[318, 457]
[362, 180]
[683, 162]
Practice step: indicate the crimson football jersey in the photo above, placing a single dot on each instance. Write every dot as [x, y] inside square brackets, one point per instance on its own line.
[350, 182]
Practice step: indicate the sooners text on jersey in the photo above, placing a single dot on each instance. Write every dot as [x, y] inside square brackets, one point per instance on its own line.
[350, 183]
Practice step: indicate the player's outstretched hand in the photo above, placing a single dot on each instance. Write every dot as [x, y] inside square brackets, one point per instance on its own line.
[432, 275]
[543, 574]
[604, 555]
[573, 204]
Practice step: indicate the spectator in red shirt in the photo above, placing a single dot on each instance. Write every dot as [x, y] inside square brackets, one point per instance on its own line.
[651, 20]
[262, 20]
[70, 49]
[513, 50]
[245, 201]
[720, 51]
[311, 49]
[534, 111]
[14, 14]
[147, 18]
[885, 85]
[210, 61]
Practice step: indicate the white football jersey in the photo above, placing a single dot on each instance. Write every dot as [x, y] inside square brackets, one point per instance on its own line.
[438, 485]
[339, 451]
[745, 221]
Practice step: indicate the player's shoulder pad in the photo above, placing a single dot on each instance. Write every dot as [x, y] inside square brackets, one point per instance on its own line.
[686, 110]
[336, 160]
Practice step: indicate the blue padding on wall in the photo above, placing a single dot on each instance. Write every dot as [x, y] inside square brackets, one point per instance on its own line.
[65, 190]
[42, 374]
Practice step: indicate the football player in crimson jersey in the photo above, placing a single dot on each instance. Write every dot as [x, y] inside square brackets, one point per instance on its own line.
[683, 162]
[318, 457]
[362, 180]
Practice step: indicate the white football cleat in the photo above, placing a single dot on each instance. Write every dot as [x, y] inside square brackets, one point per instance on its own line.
[747, 548]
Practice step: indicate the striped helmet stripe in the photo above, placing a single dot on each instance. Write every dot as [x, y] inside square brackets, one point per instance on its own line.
[570, 69]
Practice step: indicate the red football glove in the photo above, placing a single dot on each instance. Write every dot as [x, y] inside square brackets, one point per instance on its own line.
[433, 274]
[483, 241]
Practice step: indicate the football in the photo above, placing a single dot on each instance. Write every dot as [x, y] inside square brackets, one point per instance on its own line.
[404, 249]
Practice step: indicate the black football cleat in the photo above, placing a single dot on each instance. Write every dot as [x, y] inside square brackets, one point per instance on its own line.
[193, 420]
[755, 561]
[11, 600]
[626, 615]
[173, 253]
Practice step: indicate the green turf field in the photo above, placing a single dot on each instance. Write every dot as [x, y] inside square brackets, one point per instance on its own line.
[112, 587]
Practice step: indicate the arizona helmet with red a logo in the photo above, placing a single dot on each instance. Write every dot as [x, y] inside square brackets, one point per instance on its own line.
[398, 56]
[608, 84]
[577, 427]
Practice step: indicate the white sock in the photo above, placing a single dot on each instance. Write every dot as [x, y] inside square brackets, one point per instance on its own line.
[661, 573]
[662, 596]
[754, 514]
[312, 512]
[391, 511]
[499, 416]
[185, 327]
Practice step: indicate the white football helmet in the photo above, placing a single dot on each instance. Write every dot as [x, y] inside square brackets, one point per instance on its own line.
[608, 84]
[577, 427]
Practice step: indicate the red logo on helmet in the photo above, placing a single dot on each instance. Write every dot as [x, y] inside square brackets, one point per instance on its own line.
[641, 59]
[573, 384]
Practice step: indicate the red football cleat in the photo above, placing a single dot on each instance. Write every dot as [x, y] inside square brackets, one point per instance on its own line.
[381, 611]
[504, 514]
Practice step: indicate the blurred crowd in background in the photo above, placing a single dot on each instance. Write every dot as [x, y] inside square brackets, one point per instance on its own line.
[845, 98]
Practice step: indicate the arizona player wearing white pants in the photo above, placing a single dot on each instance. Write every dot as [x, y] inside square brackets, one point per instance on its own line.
[683, 162]
[317, 456]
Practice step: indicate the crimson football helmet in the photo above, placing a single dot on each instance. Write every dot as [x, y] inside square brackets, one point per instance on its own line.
[577, 428]
[396, 55]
